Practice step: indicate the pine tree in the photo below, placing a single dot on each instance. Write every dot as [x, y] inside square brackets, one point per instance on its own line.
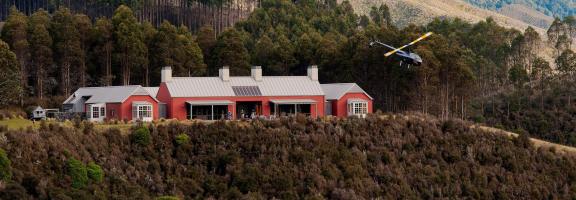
[10, 84]
[15, 33]
[41, 56]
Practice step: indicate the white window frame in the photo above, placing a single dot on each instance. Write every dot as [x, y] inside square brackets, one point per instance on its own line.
[96, 112]
[358, 108]
[142, 112]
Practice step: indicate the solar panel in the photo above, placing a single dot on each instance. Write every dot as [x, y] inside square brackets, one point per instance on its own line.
[246, 91]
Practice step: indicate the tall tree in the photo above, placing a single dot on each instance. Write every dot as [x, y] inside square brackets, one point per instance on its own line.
[555, 30]
[103, 47]
[381, 15]
[15, 33]
[189, 55]
[206, 41]
[10, 86]
[67, 49]
[567, 67]
[149, 33]
[84, 26]
[542, 72]
[41, 56]
[230, 51]
[164, 46]
[263, 54]
[130, 48]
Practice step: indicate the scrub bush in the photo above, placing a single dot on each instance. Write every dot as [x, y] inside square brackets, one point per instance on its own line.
[182, 139]
[5, 168]
[77, 171]
[95, 172]
[141, 136]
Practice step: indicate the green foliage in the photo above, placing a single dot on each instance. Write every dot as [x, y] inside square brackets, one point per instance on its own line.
[10, 88]
[5, 166]
[141, 136]
[78, 172]
[41, 55]
[182, 139]
[129, 46]
[95, 172]
[230, 51]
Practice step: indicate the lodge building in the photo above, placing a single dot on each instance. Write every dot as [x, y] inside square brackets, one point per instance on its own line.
[222, 97]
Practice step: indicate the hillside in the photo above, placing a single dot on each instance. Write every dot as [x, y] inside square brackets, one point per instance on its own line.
[559, 8]
[405, 12]
[526, 14]
[379, 157]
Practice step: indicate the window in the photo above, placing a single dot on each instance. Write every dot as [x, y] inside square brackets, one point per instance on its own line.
[102, 111]
[358, 108]
[142, 111]
[95, 112]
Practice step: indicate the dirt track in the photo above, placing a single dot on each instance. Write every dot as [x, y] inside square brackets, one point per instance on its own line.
[536, 142]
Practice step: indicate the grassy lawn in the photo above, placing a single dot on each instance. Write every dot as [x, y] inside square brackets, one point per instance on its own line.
[17, 123]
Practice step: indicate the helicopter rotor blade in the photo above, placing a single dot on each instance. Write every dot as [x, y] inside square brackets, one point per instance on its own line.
[410, 44]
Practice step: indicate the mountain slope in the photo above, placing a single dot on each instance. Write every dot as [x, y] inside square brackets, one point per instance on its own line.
[560, 8]
[526, 14]
[405, 12]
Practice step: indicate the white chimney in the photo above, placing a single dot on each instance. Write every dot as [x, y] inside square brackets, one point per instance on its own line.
[313, 72]
[224, 73]
[256, 72]
[166, 74]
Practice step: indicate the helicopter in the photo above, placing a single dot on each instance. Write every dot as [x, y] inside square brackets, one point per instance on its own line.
[406, 57]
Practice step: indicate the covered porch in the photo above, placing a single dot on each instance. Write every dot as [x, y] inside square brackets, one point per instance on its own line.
[287, 107]
[209, 109]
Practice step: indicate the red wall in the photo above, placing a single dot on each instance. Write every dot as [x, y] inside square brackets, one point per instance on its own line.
[116, 107]
[124, 110]
[176, 107]
[165, 97]
[339, 107]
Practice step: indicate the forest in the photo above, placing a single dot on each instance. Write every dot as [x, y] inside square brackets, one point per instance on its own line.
[220, 14]
[292, 158]
[481, 72]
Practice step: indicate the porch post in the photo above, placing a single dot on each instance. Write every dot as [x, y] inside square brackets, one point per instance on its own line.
[212, 113]
[191, 111]
[295, 109]
[316, 108]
